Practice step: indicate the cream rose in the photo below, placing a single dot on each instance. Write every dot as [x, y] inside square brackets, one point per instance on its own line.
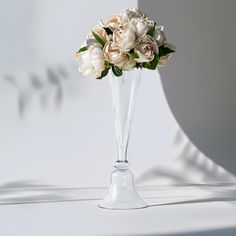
[101, 32]
[129, 63]
[162, 61]
[139, 26]
[146, 49]
[92, 61]
[113, 22]
[124, 37]
[113, 54]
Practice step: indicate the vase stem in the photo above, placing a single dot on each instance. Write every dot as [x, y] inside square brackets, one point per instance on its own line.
[124, 93]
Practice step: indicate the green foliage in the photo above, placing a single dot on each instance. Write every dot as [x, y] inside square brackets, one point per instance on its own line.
[116, 71]
[152, 64]
[98, 38]
[133, 55]
[152, 30]
[104, 73]
[164, 51]
[82, 49]
[108, 30]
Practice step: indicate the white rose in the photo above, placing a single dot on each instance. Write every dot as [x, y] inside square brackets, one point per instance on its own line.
[159, 35]
[90, 40]
[124, 37]
[146, 49]
[129, 14]
[139, 26]
[92, 61]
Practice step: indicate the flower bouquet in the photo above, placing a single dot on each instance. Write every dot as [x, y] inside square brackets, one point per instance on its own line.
[123, 44]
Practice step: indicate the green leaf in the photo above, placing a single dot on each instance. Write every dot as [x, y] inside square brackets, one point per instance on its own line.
[152, 30]
[82, 49]
[107, 63]
[138, 65]
[151, 65]
[133, 55]
[108, 30]
[164, 51]
[145, 16]
[116, 71]
[104, 73]
[98, 38]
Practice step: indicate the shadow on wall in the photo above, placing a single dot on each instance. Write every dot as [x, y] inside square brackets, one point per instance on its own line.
[200, 80]
[191, 162]
[50, 88]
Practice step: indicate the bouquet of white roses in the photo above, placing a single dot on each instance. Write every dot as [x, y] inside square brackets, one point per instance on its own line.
[124, 42]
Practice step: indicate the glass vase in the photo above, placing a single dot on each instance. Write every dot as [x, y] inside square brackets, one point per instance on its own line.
[122, 192]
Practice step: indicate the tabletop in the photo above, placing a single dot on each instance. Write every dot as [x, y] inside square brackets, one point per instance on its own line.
[187, 209]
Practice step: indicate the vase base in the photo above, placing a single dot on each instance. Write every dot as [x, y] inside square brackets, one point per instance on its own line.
[123, 205]
[122, 194]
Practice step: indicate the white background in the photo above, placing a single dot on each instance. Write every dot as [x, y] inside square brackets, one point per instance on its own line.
[56, 126]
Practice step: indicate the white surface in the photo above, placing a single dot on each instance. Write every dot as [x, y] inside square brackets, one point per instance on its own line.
[175, 210]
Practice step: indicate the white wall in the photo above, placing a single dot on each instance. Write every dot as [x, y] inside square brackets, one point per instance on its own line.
[56, 126]
[200, 81]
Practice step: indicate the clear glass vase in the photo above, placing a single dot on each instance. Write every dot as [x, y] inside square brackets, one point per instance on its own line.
[122, 192]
